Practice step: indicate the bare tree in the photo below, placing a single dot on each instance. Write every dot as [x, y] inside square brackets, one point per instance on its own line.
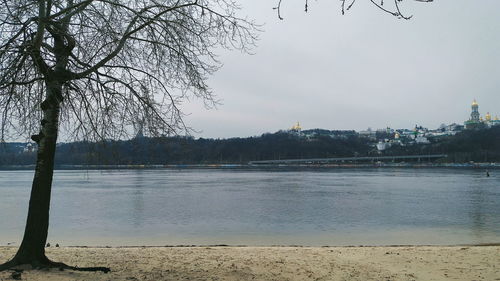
[98, 68]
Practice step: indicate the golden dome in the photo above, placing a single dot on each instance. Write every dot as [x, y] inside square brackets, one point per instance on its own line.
[488, 116]
[474, 103]
[297, 127]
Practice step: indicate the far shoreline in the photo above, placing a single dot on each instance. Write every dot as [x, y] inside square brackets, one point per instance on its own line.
[261, 167]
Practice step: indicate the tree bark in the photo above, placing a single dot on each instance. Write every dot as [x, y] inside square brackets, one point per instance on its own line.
[32, 249]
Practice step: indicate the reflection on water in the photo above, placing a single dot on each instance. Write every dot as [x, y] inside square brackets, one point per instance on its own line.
[137, 199]
[308, 207]
[477, 210]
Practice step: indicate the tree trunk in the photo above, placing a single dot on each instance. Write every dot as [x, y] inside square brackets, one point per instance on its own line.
[32, 250]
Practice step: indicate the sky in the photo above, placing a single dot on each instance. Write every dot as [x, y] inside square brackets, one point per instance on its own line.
[362, 69]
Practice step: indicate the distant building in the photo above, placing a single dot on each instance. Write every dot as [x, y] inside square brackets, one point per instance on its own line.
[421, 140]
[397, 140]
[383, 145]
[487, 117]
[296, 129]
[369, 133]
[454, 127]
[386, 130]
[406, 133]
[491, 121]
[446, 130]
[475, 121]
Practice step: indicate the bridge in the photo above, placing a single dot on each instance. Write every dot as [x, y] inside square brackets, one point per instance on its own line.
[418, 158]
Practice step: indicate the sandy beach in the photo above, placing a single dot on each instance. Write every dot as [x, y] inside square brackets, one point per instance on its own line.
[272, 263]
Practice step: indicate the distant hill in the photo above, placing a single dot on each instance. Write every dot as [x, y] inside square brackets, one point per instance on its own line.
[185, 150]
[478, 145]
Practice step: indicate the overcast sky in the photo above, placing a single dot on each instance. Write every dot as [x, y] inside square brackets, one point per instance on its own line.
[363, 69]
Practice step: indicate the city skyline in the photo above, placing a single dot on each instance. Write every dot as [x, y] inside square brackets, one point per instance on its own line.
[367, 69]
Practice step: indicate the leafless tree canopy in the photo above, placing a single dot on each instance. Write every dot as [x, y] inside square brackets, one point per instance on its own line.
[121, 62]
[345, 5]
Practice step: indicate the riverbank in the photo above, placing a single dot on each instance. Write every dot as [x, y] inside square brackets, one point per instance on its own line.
[267, 167]
[273, 263]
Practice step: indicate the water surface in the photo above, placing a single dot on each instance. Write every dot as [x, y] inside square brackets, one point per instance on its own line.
[256, 207]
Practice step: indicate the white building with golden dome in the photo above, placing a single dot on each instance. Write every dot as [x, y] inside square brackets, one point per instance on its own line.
[477, 122]
[492, 121]
[296, 127]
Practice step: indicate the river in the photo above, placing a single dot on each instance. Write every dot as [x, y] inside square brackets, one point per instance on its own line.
[389, 206]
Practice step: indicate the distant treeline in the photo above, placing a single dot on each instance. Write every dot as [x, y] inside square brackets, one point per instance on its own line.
[478, 146]
[185, 150]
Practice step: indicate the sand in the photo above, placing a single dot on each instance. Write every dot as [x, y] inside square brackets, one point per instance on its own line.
[272, 263]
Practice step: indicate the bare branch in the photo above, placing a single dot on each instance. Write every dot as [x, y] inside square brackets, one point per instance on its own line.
[120, 62]
[396, 12]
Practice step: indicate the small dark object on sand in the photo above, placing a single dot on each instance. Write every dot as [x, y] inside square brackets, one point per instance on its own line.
[48, 245]
[16, 275]
[57, 245]
[487, 173]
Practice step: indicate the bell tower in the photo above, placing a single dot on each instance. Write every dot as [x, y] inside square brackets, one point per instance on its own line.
[474, 116]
